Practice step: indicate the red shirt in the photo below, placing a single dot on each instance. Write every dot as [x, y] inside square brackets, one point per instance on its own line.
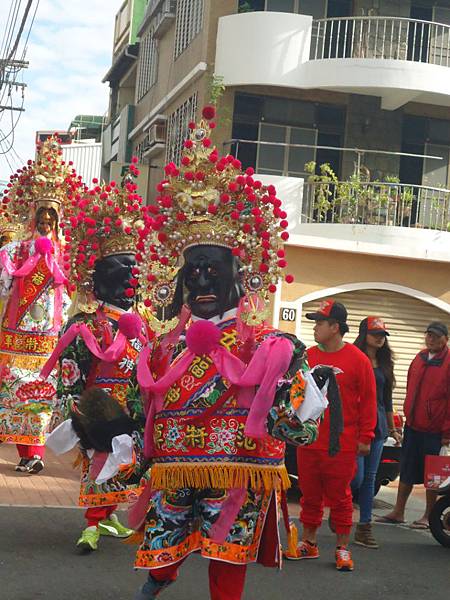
[358, 394]
[427, 403]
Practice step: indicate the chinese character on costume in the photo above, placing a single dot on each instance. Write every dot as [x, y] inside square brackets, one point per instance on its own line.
[223, 390]
[34, 300]
[100, 408]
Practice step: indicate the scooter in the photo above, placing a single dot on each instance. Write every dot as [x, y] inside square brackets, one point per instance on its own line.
[439, 518]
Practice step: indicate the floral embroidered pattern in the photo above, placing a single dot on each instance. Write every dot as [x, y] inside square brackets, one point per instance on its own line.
[223, 436]
[70, 373]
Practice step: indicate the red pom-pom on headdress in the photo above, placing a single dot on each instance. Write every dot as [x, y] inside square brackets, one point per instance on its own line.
[208, 112]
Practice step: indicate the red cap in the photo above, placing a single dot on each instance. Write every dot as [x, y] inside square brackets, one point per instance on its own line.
[376, 325]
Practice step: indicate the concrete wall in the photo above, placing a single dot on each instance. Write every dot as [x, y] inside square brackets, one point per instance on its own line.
[317, 269]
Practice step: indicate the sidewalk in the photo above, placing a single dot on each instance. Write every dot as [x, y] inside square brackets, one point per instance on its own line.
[56, 486]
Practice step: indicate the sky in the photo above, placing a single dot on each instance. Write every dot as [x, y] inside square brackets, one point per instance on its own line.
[69, 51]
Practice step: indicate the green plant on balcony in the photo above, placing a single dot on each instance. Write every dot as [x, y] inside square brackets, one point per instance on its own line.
[324, 184]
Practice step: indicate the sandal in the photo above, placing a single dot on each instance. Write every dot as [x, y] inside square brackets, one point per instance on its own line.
[389, 520]
[419, 525]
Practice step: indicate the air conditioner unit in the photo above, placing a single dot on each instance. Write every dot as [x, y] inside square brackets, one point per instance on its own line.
[156, 134]
[164, 18]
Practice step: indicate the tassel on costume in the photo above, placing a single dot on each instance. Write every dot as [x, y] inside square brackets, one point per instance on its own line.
[292, 539]
[135, 539]
[219, 476]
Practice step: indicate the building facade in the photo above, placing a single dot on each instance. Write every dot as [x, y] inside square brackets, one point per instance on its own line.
[360, 88]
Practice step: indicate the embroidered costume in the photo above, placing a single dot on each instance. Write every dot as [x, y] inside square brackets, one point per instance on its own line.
[218, 382]
[97, 355]
[35, 302]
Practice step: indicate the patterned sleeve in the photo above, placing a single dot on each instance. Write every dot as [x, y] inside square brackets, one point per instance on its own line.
[5, 278]
[283, 423]
[75, 365]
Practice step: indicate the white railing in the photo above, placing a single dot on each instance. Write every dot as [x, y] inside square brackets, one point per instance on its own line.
[376, 203]
[391, 38]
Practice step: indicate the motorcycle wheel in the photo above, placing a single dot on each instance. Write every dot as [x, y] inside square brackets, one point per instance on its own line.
[440, 521]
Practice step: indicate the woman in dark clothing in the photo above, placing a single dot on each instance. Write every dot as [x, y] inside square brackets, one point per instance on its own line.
[372, 340]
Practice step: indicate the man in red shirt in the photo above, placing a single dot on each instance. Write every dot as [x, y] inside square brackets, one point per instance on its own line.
[427, 412]
[327, 478]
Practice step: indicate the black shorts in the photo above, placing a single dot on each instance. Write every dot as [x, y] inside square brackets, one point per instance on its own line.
[416, 445]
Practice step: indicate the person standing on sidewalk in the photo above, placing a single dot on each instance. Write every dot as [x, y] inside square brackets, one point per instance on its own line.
[427, 413]
[320, 475]
[372, 340]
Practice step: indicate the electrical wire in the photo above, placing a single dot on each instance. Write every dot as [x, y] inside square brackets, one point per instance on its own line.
[19, 33]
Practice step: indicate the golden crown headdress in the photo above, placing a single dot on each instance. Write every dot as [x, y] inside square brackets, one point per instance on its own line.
[7, 227]
[209, 200]
[104, 221]
[47, 181]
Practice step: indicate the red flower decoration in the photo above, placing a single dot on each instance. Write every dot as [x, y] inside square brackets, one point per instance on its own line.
[209, 112]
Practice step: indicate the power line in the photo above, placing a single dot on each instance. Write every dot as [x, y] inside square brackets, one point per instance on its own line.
[21, 28]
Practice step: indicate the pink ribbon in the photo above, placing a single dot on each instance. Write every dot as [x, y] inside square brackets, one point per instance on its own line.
[29, 265]
[110, 355]
[267, 366]
[227, 516]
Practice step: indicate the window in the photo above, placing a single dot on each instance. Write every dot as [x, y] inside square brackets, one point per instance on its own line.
[189, 23]
[315, 8]
[148, 64]
[177, 128]
[287, 159]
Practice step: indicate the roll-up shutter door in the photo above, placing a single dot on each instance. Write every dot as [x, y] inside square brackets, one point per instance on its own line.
[406, 319]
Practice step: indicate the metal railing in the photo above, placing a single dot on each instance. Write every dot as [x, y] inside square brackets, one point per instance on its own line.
[393, 38]
[376, 203]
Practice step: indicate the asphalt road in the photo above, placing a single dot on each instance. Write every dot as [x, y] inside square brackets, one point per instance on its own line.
[38, 561]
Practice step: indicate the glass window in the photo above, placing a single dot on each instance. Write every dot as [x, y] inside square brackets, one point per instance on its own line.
[298, 157]
[316, 8]
[271, 159]
[280, 5]
[189, 23]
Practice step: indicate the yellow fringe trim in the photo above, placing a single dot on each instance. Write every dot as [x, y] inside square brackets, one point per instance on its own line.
[218, 476]
[135, 539]
[292, 540]
[78, 460]
[30, 363]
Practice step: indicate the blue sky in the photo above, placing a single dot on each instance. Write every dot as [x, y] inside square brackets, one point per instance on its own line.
[69, 51]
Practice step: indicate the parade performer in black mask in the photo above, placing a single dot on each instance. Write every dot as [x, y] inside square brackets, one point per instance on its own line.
[223, 390]
[101, 411]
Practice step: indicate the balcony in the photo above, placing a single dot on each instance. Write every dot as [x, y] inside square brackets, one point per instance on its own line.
[398, 59]
[376, 203]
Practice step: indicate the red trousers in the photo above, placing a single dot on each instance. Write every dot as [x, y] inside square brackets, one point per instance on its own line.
[326, 478]
[30, 451]
[226, 581]
[95, 514]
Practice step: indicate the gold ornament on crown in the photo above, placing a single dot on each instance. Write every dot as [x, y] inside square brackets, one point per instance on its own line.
[209, 200]
[8, 229]
[48, 181]
[105, 221]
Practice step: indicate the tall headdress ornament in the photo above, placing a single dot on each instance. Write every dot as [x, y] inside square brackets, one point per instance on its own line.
[47, 181]
[104, 221]
[209, 200]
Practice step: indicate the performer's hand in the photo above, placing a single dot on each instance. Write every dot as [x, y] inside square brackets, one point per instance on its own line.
[363, 449]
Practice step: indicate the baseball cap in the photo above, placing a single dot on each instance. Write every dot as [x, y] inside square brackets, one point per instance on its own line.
[329, 309]
[438, 328]
[376, 325]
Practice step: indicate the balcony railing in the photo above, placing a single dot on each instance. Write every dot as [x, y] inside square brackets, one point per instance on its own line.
[389, 38]
[375, 203]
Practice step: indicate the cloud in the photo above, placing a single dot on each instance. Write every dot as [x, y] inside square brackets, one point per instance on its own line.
[69, 51]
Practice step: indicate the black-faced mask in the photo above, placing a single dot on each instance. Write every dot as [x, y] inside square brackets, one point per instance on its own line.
[208, 282]
[112, 277]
